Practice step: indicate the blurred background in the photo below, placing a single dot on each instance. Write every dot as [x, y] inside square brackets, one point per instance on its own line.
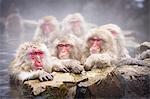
[133, 16]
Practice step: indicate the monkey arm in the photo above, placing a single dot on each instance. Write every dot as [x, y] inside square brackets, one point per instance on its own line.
[124, 53]
[57, 65]
[40, 74]
[24, 72]
[99, 61]
[69, 62]
[89, 62]
[73, 65]
[131, 61]
[28, 75]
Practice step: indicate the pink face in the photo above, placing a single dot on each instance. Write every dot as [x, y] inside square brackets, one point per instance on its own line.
[95, 45]
[76, 24]
[36, 57]
[47, 27]
[64, 50]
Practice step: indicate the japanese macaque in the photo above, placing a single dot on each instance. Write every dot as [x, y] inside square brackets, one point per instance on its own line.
[75, 24]
[66, 54]
[99, 50]
[143, 51]
[123, 55]
[31, 62]
[119, 39]
[47, 30]
[14, 26]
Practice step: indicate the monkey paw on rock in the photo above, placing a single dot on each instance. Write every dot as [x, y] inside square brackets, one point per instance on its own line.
[98, 61]
[44, 76]
[60, 68]
[89, 63]
[77, 69]
[102, 63]
[73, 65]
[103, 60]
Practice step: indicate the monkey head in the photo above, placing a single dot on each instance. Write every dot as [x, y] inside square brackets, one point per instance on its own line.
[48, 24]
[99, 41]
[76, 20]
[33, 54]
[114, 29]
[75, 23]
[65, 47]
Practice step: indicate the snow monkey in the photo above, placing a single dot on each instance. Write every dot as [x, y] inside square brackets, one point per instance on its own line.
[143, 51]
[66, 54]
[75, 24]
[99, 49]
[143, 55]
[123, 55]
[47, 30]
[14, 26]
[119, 39]
[31, 62]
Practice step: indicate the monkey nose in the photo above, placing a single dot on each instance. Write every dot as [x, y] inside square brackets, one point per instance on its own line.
[94, 45]
[38, 57]
[64, 50]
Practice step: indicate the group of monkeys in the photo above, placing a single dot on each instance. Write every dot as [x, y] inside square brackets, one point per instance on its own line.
[72, 45]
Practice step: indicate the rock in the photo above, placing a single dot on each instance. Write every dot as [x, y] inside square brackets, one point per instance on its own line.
[63, 85]
[128, 81]
[101, 83]
[143, 47]
[135, 80]
[125, 81]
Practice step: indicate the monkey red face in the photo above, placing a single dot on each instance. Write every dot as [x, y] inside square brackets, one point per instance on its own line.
[95, 44]
[64, 50]
[47, 27]
[36, 57]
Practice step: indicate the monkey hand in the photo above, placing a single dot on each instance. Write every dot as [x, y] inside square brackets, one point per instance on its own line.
[60, 68]
[76, 68]
[45, 76]
[73, 65]
[89, 63]
[103, 60]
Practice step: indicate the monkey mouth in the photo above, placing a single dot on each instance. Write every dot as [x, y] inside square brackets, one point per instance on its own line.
[94, 51]
[38, 64]
[64, 55]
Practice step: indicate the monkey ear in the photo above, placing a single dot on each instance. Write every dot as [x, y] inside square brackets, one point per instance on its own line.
[114, 33]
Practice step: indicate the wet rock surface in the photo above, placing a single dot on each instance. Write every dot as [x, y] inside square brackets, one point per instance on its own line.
[62, 86]
[129, 81]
